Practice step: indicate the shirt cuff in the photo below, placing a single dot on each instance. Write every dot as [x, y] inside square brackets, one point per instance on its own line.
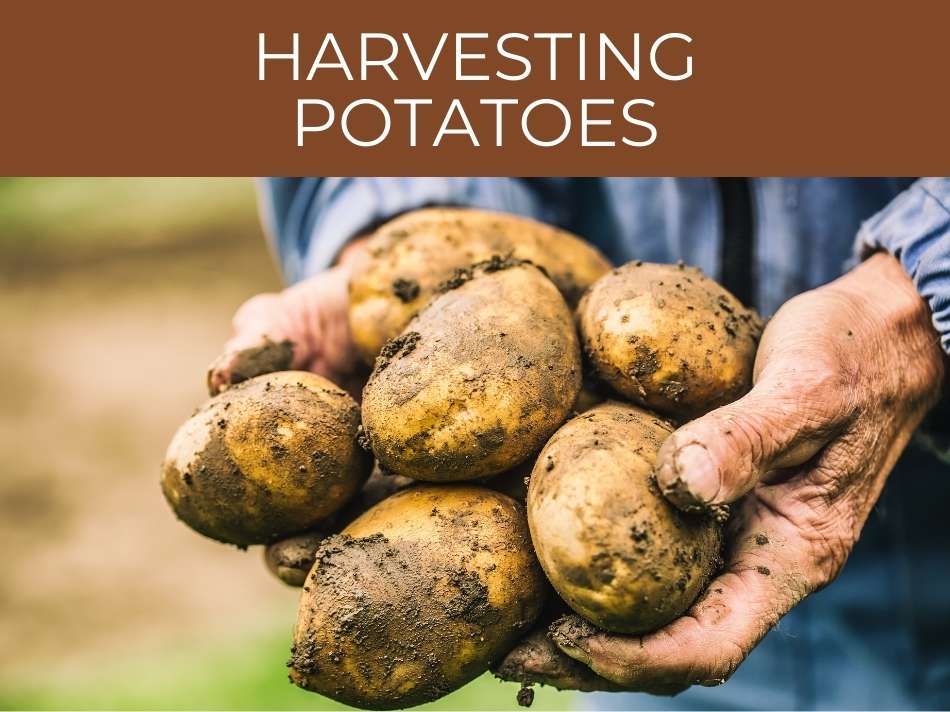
[915, 228]
[328, 212]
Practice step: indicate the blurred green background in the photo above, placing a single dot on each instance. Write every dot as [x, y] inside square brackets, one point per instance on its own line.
[115, 294]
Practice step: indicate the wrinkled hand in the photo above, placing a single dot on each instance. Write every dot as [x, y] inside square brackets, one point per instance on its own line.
[843, 376]
[304, 327]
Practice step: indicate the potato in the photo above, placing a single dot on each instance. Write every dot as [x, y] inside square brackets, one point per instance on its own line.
[611, 545]
[478, 381]
[291, 559]
[669, 338]
[416, 597]
[268, 458]
[411, 255]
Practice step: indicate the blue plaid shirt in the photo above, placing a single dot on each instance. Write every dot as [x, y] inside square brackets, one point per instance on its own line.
[879, 637]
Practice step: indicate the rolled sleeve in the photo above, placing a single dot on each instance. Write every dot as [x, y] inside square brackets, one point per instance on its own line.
[309, 220]
[915, 228]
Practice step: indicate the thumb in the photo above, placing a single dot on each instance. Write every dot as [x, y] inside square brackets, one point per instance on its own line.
[717, 458]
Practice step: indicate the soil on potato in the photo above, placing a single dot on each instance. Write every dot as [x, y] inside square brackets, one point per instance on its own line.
[405, 289]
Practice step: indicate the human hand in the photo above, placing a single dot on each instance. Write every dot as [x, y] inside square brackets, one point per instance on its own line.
[304, 327]
[843, 376]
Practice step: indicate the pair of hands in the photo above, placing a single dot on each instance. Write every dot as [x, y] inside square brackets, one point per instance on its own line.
[843, 376]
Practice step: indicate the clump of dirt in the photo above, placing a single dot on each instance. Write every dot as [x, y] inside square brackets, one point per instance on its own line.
[495, 263]
[397, 348]
[470, 604]
[568, 631]
[674, 390]
[362, 439]
[525, 697]
[645, 362]
[405, 289]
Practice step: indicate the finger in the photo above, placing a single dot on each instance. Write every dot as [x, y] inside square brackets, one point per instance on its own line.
[707, 644]
[702, 648]
[263, 315]
[537, 660]
[291, 559]
[717, 458]
[262, 341]
[233, 367]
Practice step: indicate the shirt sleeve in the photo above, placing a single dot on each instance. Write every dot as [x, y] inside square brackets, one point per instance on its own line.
[309, 220]
[915, 228]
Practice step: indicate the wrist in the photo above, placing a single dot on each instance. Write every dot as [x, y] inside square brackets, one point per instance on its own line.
[882, 291]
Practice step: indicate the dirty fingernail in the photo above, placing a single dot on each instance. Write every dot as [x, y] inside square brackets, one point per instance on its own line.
[570, 634]
[695, 476]
[215, 381]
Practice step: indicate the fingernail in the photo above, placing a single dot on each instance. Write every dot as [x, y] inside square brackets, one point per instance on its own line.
[570, 634]
[695, 478]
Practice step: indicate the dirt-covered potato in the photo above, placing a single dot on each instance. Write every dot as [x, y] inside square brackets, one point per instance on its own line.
[268, 458]
[478, 381]
[416, 597]
[615, 550]
[669, 338]
[411, 255]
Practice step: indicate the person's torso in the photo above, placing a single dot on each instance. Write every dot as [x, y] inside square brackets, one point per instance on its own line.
[802, 229]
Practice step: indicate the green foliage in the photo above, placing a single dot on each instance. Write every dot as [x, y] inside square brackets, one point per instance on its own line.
[64, 213]
[245, 673]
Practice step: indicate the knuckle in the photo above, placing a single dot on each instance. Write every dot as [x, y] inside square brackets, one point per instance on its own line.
[748, 434]
[821, 374]
[819, 392]
[254, 307]
[718, 665]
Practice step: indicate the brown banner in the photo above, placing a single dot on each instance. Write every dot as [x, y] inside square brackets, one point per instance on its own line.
[104, 87]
